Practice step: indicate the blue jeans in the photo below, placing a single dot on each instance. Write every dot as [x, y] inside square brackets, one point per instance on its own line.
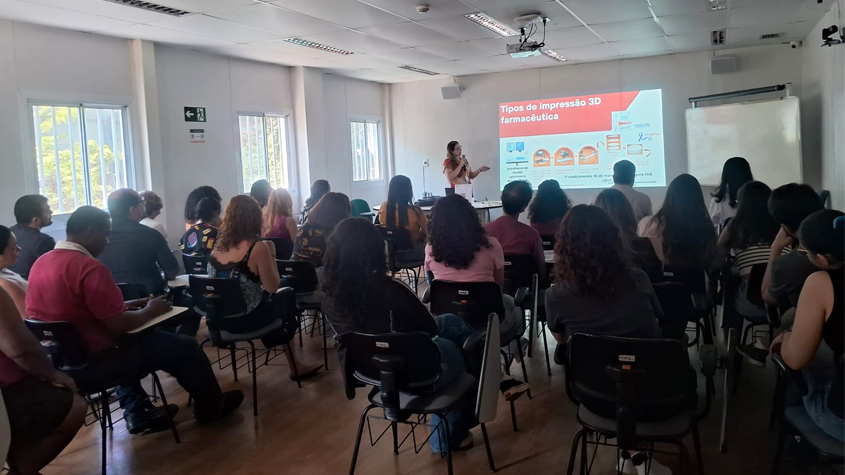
[820, 374]
[452, 332]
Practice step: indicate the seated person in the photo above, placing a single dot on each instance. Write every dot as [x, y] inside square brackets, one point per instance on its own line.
[318, 189]
[153, 206]
[640, 249]
[723, 205]
[517, 238]
[200, 237]
[193, 200]
[260, 191]
[820, 318]
[278, 216]
[682, 233]
[11, 282]
[624, 174]
[44, 410]
[32, 213]
[549, 207]
[312, 238]
[361, 297]
[68, 284]
[403, 214]
[240, 254]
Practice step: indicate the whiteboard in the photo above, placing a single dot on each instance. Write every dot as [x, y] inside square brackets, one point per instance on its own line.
[766, 133]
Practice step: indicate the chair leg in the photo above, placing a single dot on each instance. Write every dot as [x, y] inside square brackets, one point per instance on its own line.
[254, 379]
[358, 438]
[546, 349]
[295, 371]
[779, 450]
[395, 438]
[103, 409]
[584, 453]
[108, 413]
[325, 347]
[522, 363]
[234, 362]
[450, 471]
[164, 402]
[513, 417]
[301, 328]
[487, 446]
[696, 440]
[574, 452]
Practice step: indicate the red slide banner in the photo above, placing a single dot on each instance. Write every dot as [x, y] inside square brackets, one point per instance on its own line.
[590, 113]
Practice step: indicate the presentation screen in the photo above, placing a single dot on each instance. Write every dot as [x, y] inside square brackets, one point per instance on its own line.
[576, 140]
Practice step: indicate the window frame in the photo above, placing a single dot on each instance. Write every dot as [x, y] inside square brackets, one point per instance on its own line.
[379, 121]
[291, 147]
[31, 175]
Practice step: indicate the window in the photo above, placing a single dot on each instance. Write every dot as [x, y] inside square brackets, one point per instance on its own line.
[265, 150]
[366, 156]
[71, 174]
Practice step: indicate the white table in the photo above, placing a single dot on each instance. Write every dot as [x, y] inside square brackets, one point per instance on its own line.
[159, 319]
[482, 207]
[179, 281]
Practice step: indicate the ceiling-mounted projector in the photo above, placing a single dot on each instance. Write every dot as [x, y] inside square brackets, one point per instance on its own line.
[528, 26]
[524, 50]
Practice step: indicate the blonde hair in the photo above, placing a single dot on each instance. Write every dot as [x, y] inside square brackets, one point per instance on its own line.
[280, 205]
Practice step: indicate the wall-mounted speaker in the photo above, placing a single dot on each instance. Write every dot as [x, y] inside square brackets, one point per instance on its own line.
[723, 65]
[452, 91]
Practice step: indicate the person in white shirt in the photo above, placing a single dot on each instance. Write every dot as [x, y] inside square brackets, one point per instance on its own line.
[153, 204]
[623, 180]
[735, 173]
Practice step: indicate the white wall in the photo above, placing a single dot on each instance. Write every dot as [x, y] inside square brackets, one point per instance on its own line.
[424, 122]
[823, 125]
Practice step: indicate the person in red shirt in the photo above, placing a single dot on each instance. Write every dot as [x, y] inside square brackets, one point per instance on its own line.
[517, 238]
[69, 284]
[43, 408]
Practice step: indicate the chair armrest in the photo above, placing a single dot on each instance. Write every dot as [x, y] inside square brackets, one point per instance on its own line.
[426, 298]
[774, 316]
[699, 301]
[708, 358]
[521, 296]
[282, 291]
[474, 339]
[795, 377]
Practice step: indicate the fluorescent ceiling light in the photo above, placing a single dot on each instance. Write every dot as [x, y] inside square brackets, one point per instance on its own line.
[554, 55]
[419, 70]
[152, 7]
[319, 46]
[491, 24]
[716, 5]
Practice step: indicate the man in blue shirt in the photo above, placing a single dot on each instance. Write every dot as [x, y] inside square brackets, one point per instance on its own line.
[32, 213]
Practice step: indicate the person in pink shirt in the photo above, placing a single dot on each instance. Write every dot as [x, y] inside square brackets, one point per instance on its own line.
[517, 238]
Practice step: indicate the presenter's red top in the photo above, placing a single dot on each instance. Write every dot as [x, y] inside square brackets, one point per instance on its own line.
[461, 179]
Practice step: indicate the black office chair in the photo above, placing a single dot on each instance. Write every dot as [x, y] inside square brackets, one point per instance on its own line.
[284, 247]
[548, 242]
[132, 291]
[302, 277]
[398, 241]
[796, 421]
[635, 391]
[195, 265]
[695, 284]
[473, 302]
[222, 299]
[677, 309]
[522, 282]
[69, 353]
[403, 369]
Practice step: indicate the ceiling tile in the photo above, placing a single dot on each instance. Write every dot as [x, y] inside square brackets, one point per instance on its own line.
[763, 3]
[570, 37]
[457, 50]
[257, 53]
[459, 27]
[453, 68]
[203, 6]
[106, 9]
[495, 46]
[644, 46]
[437, 8]
[803, 28]
[277, 20]
[813, 10]
[353, 41]
[407, 56]
[687, 23]
[360, 61]
[677, 7]
[408, 33]
[560, 18]
[750, 35]
[375, 75]
[216, 28]
[57, 17]
[488, 5]
[588, 53]
[760, 16]
[628, 30]
[161, 35]
[290, 48]
[349, 13]
[690, 42]
[607, 11]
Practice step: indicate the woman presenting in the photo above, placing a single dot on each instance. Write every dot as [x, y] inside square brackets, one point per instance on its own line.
[456, 167]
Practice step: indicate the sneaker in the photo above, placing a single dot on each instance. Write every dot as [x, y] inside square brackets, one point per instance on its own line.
[231, 401]
[512, 389]
[152, 420]
[466, 442]
[628, 467]
[753, 354]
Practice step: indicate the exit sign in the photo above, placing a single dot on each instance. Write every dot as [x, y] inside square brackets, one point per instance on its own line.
[195, 114]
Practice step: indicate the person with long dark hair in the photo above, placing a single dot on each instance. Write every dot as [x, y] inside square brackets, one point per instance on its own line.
[312, 239]
[318, 189]
[548, 208]
[456, 167]
[361, 297]
[640, 249]
[261, 190]
[820, 318]
[193, 200]
[399, 212]
[685, 237]
[723, 204]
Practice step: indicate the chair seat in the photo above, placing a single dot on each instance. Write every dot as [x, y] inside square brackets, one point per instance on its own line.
[799, 419]
[409, 264]
[671, 429]
[93, 387]
[445, 399]
[255, 334]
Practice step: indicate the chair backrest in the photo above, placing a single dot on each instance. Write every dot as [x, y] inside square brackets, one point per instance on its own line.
[63, 342]
[519, 272]
[548, 242]
[472, 301]
[358, 207]
[629, 378]
[284, 247]
[217, 298]
[177, 254]
[300, 275]
[693, 279]
[677, 308]
[196, 265]
[487, 398]
[400, 237]
[824, 197]
[755, 283]
[132, 291]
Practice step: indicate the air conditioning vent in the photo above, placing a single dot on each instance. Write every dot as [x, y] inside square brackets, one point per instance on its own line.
[771, 36]
[717, 37]
[152, 7]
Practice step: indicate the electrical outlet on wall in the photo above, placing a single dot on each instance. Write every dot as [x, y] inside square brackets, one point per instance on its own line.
[425, 162]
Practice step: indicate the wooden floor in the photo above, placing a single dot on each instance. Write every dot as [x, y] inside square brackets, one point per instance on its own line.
[312, 431]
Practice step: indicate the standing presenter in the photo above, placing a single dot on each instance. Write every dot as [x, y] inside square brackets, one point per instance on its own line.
[456, 167]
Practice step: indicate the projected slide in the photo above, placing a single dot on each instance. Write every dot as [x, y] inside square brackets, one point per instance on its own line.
[576, 140]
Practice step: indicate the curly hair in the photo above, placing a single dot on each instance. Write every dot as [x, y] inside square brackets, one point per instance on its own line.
[689, 239]
[152, 202]
[550, 203]
[241, 222]
[279, 206]
[329, 211]
[354, 268]
[195, 197]
[454, 232]
[589, 256]
[753, 224]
